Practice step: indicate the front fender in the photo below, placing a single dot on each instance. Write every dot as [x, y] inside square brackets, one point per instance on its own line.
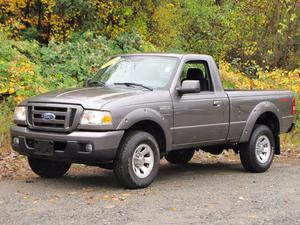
[257, 111]
[143, 114]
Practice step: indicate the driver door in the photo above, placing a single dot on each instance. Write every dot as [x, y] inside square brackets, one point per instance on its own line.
[200, 117]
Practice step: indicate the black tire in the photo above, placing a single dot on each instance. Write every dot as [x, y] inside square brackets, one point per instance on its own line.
[123, 163]
[248, 156]
[48, 168]
[180, 156]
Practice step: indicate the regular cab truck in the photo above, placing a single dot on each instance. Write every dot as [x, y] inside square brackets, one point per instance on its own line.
[141, 107]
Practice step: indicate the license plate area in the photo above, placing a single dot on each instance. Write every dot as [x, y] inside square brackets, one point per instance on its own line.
[43, 147]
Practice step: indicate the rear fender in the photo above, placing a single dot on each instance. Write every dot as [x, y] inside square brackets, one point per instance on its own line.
[258, 110]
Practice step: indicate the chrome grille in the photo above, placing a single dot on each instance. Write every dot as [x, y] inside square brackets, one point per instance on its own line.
[62, 118]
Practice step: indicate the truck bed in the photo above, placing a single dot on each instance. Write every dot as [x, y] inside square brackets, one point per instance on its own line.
[244, 102]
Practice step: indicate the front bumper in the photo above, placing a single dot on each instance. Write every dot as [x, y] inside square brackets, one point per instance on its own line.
[69, 147]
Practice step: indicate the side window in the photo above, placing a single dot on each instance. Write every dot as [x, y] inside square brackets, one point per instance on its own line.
[197, 70]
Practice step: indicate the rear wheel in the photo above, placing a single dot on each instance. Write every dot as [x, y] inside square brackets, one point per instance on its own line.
[137, 161]
[180, 156]
[257, 155]
[48, 168]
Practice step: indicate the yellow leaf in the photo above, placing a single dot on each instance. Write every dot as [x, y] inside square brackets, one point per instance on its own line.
[11, 90]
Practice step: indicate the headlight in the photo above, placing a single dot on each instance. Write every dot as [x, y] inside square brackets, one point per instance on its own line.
[20, 113]
[93, 117]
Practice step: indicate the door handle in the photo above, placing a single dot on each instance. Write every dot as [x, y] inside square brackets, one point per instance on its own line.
[217, 103]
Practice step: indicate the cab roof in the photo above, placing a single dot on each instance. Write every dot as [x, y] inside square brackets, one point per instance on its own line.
[177, 55]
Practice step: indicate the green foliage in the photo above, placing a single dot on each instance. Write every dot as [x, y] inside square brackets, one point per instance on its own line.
[265, 34]
[19, 77]
[254, 34]
[70, 63]
[28, 68]
[207, 27]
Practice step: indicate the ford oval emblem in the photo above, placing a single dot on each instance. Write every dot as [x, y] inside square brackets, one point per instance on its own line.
[48, 116]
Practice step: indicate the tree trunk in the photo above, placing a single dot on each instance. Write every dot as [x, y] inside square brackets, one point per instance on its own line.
[218, 2]
[277, 35]
[40, 16]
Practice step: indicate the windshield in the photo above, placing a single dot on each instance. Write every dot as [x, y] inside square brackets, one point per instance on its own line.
[146, 71]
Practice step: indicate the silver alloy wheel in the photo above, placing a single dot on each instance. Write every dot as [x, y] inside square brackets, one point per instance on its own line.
[142, 160]
[263, 148]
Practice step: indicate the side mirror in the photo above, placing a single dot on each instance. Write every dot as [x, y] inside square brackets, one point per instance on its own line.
[87, 82]
[189, 86]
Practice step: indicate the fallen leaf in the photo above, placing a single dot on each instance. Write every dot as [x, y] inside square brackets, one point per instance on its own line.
[109, 206]
[105, 196]
[122, 199]
[89, 189]
[210, 206]
[241, 198]
[114, 198]
[252, 216]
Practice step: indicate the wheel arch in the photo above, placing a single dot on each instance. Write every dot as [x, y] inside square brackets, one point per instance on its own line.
[265, 113]
[150, 121]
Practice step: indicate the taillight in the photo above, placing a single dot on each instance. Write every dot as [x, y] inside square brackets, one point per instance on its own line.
[293, 106]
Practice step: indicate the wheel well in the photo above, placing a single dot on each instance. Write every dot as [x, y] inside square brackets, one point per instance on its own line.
[155, 130]
[270, 120]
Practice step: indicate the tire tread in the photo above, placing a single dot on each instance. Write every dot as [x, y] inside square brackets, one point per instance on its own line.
[122, 161]
[247, 150]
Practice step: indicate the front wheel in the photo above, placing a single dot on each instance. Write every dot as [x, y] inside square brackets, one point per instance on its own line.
[257, 155]
[137, 161]
[48, 168]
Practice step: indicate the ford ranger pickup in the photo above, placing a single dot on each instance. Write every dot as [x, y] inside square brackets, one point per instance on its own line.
[141, 107]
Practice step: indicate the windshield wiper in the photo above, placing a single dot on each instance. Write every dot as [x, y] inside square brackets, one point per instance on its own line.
[134, 84]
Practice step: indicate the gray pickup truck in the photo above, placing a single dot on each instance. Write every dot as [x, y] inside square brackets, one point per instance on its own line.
[141, 107]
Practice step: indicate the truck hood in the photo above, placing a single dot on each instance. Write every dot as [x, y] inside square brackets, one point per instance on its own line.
[88, 98]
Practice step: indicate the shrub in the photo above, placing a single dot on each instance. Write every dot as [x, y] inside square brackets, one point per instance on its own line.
[19, 76]
[28, 68]
[70, 63]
